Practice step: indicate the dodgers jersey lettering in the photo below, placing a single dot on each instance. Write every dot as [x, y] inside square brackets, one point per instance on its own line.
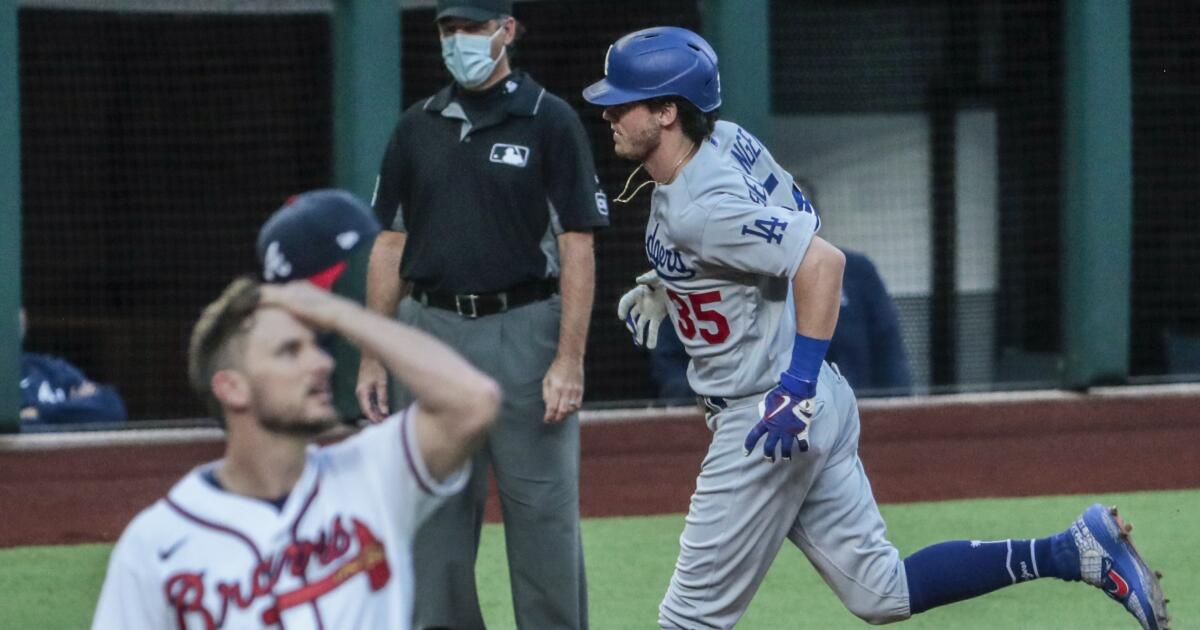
[726, 237]
[337, 555]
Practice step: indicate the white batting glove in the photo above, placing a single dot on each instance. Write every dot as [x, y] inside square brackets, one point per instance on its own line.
[650, 279]
[643, 309]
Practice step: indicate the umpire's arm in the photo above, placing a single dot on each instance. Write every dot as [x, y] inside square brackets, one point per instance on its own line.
[384, 285]
[574, 192]
[562, 389]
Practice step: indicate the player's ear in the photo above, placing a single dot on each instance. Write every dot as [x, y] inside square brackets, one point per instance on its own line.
[232, 389]
[667, 114]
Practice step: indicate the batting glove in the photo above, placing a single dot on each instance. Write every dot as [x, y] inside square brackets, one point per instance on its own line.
[785, 419]
[643, 309]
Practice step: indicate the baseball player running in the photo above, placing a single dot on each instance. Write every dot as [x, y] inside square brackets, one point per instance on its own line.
[279, 533]
[753, 294]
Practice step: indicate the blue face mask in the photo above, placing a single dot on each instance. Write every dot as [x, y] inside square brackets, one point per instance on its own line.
[469, 57]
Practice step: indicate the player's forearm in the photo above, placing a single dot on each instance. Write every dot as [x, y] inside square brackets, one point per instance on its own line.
[384, 287]
[577, 284]
[817, 287]
[442, 382]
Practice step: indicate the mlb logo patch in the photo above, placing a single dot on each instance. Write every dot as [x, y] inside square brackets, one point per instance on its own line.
[510, 154]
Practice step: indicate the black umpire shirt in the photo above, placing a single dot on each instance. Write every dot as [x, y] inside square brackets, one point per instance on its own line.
[483, 182]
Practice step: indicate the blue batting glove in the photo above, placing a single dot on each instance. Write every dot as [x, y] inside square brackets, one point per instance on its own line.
[785, 419]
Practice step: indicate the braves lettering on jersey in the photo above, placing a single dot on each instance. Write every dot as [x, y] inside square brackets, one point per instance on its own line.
[337, 554]
[726, 237]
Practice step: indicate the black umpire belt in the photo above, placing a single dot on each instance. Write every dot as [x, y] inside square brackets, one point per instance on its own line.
[475, 305]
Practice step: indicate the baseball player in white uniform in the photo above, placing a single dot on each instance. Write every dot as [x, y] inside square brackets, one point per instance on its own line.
[280, 533]
[754, 294]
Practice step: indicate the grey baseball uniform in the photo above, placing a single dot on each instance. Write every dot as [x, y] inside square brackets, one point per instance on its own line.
[726, 237]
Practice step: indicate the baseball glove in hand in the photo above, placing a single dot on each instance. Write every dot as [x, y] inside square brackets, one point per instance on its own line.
[643, 309]
[785, 419]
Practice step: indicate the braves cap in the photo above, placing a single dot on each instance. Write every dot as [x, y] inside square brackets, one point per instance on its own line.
[312, 236]
[474, 10]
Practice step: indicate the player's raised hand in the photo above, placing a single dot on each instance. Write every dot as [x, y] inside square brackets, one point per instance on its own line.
[785, 419]
[643, 309]
[312, 305]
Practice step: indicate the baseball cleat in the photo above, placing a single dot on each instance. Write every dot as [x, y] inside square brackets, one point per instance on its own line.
[1109, 561]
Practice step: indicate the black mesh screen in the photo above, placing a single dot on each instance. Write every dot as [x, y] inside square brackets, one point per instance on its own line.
[948, 115]
[1166, 169]
[153, 146]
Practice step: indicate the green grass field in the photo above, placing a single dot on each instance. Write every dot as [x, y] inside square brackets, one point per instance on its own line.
[630, 561]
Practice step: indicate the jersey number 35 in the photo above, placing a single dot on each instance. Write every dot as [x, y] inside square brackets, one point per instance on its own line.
[693, 317]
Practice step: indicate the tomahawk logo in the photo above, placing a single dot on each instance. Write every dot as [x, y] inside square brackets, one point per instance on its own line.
[275, 265]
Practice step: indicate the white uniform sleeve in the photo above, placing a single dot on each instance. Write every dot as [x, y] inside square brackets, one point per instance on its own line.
[132, 594]
[747, 236]
[386, 456]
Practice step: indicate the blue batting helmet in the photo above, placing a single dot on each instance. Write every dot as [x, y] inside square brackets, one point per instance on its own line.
[659, 61]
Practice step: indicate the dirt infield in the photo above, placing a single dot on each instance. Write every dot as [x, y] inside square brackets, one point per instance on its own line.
[913, 452]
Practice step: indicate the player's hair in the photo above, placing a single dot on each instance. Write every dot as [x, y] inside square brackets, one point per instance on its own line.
[217, 338]
[696, 125]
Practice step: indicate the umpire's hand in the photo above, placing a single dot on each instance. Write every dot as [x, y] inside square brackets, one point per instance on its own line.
[372, 389]
[562, 388]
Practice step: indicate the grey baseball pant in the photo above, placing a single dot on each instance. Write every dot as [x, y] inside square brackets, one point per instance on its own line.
[537, 471]
[743, 509]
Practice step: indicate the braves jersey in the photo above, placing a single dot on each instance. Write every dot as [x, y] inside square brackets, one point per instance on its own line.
[336, 555]
[726, 237]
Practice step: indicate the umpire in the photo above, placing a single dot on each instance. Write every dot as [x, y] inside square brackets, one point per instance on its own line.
[491, 193]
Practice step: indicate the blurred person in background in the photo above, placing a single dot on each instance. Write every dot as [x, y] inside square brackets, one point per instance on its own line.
[55, 392]
[866, 345]
[491, 194]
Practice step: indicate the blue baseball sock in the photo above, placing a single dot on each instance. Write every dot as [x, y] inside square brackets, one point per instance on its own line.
[961, 569]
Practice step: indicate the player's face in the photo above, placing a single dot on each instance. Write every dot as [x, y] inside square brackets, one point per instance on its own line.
[289, 376]
[635, 129]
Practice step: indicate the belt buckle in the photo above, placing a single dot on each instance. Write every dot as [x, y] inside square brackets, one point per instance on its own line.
[471, 299]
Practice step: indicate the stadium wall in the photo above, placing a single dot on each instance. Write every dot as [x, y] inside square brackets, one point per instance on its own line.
[74, 488]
